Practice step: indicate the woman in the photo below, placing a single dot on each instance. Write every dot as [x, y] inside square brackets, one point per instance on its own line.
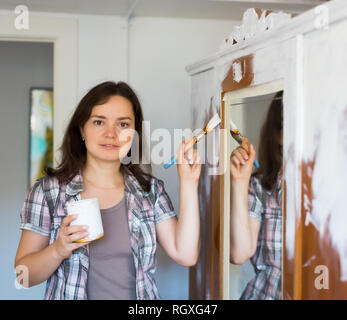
[256, 208]
[136, 210]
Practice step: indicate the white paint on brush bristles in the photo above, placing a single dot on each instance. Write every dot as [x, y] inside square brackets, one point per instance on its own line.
[214, 122]
[233, 126]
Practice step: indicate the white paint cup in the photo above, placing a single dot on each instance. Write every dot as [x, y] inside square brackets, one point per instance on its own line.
[88, 213]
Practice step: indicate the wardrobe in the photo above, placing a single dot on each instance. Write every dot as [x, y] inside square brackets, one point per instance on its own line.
[305, 57]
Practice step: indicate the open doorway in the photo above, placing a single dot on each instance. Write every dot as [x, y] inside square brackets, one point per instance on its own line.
[23, 66]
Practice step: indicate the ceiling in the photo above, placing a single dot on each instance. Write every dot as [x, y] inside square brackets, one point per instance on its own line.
[202, 9]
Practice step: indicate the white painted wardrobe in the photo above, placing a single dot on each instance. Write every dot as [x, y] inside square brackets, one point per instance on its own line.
[305, 56]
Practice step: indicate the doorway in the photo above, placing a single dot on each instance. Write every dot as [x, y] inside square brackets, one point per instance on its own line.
[23, 65]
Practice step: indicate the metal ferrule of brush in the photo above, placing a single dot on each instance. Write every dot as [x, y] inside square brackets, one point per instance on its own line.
[200, 135]
[237, 136]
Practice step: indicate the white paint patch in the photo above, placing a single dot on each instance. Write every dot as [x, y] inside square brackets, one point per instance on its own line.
[326, 134]
[237, 71]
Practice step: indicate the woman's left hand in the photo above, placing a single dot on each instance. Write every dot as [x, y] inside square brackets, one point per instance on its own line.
[189, 163]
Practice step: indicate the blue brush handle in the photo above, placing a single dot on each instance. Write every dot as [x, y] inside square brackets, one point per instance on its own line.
[170, 163]
[173, 161]
[256, 163]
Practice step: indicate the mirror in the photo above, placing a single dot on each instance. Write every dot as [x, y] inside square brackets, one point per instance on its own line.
[249, 115]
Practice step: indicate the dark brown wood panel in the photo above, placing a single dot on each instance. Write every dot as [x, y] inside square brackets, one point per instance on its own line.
[204, 276]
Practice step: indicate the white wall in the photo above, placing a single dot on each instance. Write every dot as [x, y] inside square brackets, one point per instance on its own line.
[101, 50]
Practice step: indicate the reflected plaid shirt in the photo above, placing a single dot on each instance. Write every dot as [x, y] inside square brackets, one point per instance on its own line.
[145, 210]
[265, 206]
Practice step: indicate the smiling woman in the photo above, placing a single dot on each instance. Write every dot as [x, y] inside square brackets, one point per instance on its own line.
[136, 211]
[110, 127]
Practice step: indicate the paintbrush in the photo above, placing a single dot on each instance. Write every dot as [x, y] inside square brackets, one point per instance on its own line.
[213, 123]
[236, 134]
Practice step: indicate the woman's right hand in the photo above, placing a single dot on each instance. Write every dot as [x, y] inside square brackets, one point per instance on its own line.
[65, 244]
[241, 162]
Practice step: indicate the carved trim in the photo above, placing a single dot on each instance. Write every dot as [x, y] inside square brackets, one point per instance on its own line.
[255, 22]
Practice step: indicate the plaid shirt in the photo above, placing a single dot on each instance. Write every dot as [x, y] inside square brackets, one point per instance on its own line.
[265, 206]
[145, 210]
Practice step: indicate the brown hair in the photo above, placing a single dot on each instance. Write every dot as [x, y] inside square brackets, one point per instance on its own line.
[270, 148]
[74, 153]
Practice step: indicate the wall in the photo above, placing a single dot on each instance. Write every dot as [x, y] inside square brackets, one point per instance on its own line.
[22, 65]
[102, 50]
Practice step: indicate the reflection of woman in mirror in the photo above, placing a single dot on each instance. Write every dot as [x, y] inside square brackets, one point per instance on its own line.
[256, 208]
[136, 211]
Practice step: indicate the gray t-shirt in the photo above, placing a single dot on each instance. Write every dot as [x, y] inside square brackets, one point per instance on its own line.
[111, 272]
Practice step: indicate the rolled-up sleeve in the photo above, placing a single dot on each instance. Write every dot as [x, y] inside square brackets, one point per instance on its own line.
[35, 212]
[163, 208]
[255, 206]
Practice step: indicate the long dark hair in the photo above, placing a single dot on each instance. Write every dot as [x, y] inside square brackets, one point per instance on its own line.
[74, 152]
[270, 148]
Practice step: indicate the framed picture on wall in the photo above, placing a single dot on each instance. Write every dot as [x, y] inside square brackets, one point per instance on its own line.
[41, 132]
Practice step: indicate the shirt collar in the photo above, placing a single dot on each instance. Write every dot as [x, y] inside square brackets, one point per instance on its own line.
[279, 181]
[278, 185]
[75, 185]
[132, 185]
